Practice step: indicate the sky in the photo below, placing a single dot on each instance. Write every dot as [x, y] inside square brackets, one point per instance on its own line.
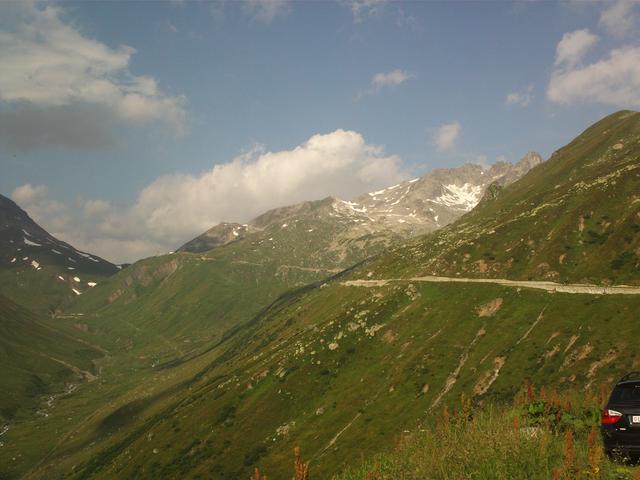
[128, 128]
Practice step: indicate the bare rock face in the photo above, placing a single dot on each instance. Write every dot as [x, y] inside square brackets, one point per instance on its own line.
[440, 197]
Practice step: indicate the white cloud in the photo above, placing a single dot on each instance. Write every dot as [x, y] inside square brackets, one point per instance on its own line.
[522, 97]
[49, 65]
[620, 17]
[614, 81]
[176, 208]
[384, 80]
[35, 200]
[95, 208]
[266, 11]
[573, 46]
[446, 136]
[391, 79]
[29, 194]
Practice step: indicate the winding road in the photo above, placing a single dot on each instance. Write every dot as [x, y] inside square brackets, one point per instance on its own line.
[579, 288]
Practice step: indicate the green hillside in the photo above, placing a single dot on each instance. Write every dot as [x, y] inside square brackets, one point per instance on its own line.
[37, 361]
[574, 218]
[174, 306]
[341, 369]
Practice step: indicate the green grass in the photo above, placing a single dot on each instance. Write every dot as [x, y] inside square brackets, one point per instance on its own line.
[574, 218]
[502, 442]
[232, 400]
[37, 360]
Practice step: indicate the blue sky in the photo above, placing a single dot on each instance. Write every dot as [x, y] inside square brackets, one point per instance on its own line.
[258, 79]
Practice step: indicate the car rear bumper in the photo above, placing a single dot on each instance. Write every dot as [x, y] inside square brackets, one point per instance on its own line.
[627, 442]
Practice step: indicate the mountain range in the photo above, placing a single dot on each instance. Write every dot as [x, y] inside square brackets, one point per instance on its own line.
[406, 209]
[337, 325]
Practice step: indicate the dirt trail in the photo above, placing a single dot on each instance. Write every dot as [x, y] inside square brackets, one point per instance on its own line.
[88, 376]
[540, 285]
[453, 376]
[310, 269]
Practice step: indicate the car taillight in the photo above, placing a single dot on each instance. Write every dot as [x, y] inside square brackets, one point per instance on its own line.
[610, 416]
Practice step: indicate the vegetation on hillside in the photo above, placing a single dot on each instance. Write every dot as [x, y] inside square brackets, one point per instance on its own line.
[38, 361]
[539, 437]
[575, 218]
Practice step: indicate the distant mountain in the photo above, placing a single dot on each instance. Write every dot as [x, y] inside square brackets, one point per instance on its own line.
[410, 208]
[37, 269]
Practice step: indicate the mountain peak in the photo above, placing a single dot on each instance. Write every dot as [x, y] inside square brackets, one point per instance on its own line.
[27, 247]
[530, 159]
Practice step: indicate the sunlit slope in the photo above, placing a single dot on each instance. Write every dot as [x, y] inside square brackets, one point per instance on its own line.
[341, 370]
[36, 360]
[574, 218]
[171, 306]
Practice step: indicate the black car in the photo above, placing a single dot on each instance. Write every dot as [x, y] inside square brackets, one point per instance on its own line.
[620, 422]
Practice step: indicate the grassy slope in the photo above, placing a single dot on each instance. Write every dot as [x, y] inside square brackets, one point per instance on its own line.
[575, 218]
[548, 436]
[173, 306]
[225, 417]
[36, 360]
[165, 314]
[279, 381]
[42, 291]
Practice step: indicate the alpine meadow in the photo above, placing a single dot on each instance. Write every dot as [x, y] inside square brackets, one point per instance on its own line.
[351, 240]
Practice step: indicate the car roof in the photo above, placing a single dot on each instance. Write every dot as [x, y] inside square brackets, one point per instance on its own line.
[630, 377]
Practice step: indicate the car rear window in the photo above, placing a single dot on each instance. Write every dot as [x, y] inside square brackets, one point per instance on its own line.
[628, 392]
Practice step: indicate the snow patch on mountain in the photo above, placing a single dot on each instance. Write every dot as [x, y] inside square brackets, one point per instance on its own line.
[29, 242]
[465, 197]
[86, 255]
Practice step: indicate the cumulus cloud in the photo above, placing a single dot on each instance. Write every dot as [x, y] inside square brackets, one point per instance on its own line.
[95, 208]
[573, 46]
[175, 208]
[620, 17]
[25, 127]
[35, 200]
[522, 98]
[614, 81]
[50, 67]
[446, 136]
[30, 194]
